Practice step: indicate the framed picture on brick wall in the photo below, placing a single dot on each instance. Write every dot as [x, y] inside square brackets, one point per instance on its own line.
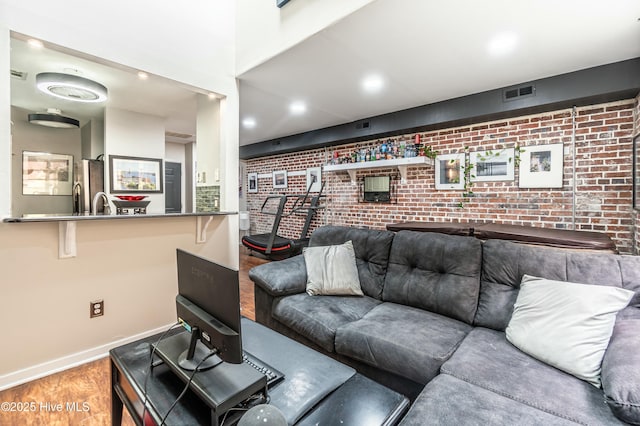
[492, 165]
[314, 179]
[541, 166]
[252, 182]
[449, 172]
[280, 179]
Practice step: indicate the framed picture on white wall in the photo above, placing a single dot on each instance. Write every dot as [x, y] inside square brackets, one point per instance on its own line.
[44, 173]
[541, 166]
[135, 174]
[252, 183]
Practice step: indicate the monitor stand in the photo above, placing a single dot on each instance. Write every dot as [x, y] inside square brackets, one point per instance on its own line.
[198, 355]
[221, 388]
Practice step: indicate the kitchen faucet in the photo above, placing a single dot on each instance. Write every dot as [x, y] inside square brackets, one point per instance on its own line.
[105, 203]
[77, 197]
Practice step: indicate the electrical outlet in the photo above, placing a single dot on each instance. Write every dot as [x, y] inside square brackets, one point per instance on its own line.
[96, 308]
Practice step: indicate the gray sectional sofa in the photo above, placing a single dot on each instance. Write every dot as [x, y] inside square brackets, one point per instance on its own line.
[432, 321]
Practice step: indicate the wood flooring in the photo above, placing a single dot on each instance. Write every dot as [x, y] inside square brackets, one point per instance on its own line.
[82, 395]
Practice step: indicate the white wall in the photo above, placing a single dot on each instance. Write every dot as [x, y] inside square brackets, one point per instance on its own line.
[30, 137]
[131, 262]
[208, 141]
[263, 30]
[132, 134]
[5, 120]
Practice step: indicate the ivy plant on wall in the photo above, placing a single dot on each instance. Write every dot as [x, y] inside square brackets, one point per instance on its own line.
[490, 165]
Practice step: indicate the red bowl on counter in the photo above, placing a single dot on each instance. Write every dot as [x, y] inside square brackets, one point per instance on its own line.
[131, 197]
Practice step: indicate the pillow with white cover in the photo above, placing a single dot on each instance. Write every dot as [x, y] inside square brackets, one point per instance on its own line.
[332, 270]
[566, 325]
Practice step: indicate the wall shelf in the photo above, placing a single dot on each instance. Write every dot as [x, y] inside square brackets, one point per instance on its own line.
[400, 163]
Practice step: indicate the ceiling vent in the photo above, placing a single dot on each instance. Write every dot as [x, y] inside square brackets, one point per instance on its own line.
[18, 74]
[177, 135]
[518, 92]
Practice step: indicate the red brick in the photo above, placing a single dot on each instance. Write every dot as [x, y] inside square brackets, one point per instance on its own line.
[603, 172]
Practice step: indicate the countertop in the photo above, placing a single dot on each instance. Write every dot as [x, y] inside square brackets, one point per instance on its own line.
[77, 217]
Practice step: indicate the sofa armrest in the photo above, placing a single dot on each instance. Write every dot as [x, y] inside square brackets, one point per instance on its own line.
[281, 278]
[621, 367]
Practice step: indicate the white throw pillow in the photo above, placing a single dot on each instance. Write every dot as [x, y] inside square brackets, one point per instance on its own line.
[566, 325]
[331, 270]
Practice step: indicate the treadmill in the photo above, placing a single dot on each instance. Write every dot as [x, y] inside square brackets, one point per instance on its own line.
[272, 245]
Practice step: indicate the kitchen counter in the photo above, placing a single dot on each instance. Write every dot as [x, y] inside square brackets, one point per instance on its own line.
[67, 224]
[62, 217]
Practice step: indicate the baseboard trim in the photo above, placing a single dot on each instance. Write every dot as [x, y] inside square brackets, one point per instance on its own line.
[73, 360]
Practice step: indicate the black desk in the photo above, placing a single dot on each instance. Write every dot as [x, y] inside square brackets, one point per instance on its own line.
[316, 388]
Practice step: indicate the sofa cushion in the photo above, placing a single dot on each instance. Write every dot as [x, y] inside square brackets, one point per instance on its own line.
[486, 359]
[504, 263]
[317, 318]
[447, 400]
[288, 276]
[403, 340]
[630, 268]
[332, 270]
[567, 325]
[371, 248]
[436, 272]
[621, 367]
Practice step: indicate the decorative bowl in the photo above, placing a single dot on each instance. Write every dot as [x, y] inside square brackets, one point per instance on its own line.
[131, 197]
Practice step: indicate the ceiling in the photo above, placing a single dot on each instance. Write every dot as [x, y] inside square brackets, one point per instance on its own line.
[176, 103]
[423, 51]
[429, 51]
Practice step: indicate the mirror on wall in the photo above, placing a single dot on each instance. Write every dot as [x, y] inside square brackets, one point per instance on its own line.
[66, 104]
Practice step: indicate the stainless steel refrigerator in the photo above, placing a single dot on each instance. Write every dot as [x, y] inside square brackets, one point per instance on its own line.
[90, 181]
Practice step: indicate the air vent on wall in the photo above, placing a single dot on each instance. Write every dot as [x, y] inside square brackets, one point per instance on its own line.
[18, 74]
[177, 135]
[519, 92]
[363, 125]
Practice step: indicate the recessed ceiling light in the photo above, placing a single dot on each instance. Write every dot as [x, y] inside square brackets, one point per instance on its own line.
[212, 96]
[249, 123]
[143, 75]
[297, 108]
[373, 83]
[71, 87]
[502, 43]
[37, 44]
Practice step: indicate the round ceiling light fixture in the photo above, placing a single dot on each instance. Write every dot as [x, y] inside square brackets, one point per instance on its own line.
[71, 87]
[502, 44]
[54, 118]
[373, 83]
[249, 123]
[297, 108]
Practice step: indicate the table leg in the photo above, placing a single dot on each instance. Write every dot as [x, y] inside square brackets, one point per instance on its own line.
[116, 403]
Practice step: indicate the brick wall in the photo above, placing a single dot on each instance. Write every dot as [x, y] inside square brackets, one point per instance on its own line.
[603, 172]
[636, 215]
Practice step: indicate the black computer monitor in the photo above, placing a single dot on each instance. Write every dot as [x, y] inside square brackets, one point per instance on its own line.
[208, 306]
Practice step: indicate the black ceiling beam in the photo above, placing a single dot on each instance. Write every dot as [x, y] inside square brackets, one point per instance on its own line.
[605, 83]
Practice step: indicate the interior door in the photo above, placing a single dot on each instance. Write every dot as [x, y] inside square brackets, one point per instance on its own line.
[173, 187]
